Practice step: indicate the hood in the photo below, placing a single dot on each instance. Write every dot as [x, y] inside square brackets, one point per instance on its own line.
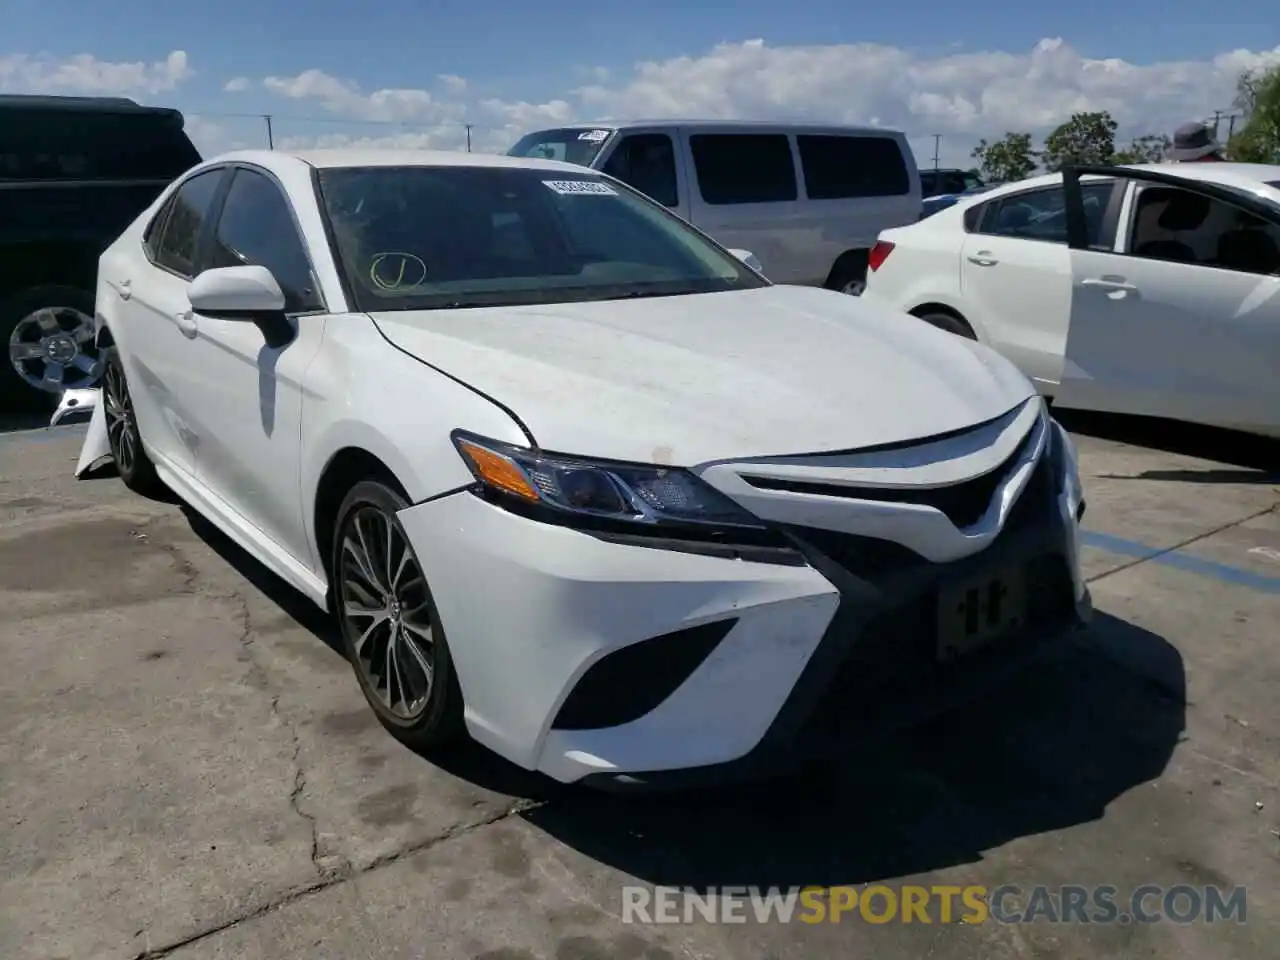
[685, 380]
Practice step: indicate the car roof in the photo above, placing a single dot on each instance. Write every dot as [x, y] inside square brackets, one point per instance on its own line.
[323, 159]
[43, 104]
[1253, 177]
[741, 125]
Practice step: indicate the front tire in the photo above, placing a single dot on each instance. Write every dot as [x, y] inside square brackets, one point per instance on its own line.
[391, 630]
[131, 460]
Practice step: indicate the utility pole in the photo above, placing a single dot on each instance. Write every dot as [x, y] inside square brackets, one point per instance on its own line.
[1217, 118]
[937, 140]
[271, 140]
[469, 126]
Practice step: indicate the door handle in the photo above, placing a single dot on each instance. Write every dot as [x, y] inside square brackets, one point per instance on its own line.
[1117, 284]
[186, 321]
[983, 258]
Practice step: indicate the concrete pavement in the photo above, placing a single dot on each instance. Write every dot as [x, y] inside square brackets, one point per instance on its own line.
[188, 768]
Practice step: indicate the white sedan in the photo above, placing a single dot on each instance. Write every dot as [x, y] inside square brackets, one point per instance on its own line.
[1151, 290]
[572, 478]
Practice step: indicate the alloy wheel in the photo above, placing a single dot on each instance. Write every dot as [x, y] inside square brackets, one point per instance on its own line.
[52, 350]
[387, 612]
[122, 437]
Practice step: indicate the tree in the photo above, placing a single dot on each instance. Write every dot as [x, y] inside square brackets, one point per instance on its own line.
[1148, 149]
[1087, 138]
[1258, 96]
[1008, 159]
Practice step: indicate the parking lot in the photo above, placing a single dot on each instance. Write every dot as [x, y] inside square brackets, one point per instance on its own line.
[188, 768]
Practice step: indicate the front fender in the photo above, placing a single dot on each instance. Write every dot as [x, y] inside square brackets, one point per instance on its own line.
[404, 417]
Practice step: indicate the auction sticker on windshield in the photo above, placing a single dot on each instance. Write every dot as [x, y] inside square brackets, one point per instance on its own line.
[581, 186]
[594, 136]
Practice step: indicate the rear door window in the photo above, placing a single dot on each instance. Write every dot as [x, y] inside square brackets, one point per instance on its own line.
[845, 167]
[1040, 214]
[647, 161]
[734, 168]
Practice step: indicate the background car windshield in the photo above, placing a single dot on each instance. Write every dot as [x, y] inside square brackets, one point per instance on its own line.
[573, 145]
[412, 238]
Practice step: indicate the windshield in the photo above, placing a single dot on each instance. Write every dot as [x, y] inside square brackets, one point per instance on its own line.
[415, 238]
[573, 145]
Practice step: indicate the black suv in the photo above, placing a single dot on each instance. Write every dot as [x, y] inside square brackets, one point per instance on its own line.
[74, 172]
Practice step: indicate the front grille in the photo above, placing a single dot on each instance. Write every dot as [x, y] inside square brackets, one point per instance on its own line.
[876, 560]
[893, 660]
[963, 503]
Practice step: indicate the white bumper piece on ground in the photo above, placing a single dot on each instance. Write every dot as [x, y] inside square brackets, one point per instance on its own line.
[76, 403]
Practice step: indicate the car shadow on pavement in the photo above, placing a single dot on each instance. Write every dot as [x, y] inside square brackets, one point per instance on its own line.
[1050, 751]
[305, 613]
[1254, 453]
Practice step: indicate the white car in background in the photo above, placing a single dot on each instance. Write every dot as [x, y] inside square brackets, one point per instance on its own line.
[571, 476]
[1150, 290]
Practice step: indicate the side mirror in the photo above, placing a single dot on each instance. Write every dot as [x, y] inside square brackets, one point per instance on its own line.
[249, 293]
[749, 258]
[236, 293]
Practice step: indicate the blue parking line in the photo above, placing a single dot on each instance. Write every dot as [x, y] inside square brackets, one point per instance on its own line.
[1181, 561]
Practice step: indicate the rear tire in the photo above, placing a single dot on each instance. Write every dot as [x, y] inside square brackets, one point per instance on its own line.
[131, 460]
[849, 275]
[391, 630]
[949, 323]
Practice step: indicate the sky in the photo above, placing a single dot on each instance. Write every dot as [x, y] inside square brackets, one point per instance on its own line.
[402, 73]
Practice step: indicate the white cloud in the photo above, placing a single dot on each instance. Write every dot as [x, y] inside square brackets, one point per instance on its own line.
[452, 82]
[87, 75]
[344, 98]
[961, 95]
[237, 85]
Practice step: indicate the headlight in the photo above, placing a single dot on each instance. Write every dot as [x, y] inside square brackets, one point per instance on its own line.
[628, 500]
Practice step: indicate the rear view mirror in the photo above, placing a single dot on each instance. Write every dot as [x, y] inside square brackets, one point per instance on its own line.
[236, 293]
[749, 258]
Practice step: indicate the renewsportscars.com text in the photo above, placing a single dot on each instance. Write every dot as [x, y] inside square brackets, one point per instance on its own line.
[880, 904]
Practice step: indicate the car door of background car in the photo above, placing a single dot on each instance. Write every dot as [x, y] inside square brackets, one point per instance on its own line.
[649, 161]
[154, 341]
[1182, 320]
[248, 395]
[1015, 274]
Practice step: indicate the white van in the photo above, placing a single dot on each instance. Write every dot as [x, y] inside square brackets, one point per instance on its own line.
[807, 200]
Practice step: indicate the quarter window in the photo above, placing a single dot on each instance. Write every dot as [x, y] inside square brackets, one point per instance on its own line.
[647, 161]
[838, 168]
[744, 167]
[257, 227]
[182, 227]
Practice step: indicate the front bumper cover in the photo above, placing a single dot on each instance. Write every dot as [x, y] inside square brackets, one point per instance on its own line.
[875, 671]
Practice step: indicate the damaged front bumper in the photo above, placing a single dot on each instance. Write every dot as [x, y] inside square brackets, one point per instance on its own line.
[76, 403]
